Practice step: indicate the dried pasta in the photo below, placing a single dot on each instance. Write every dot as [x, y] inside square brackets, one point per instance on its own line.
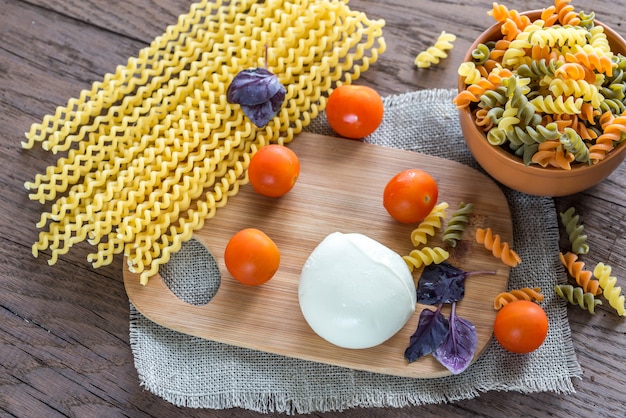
[571, 76]
[499, 249]
[577, 296]
[438, 51]
[425, 256]
[574, 230]
[158, 147]
[613, 294]
[576, 270]
[457, 224]
[525, 293]
[428, 226]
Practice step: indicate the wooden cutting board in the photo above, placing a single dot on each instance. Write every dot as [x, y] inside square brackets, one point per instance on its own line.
[340, 189]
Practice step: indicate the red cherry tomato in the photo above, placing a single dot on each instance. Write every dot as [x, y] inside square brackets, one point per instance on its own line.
[354, 111]
[251, 257]
[274, 170]
[410, 196]
[521, 326]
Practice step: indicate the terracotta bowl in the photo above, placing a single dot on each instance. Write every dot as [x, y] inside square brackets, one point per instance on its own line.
[509, 169]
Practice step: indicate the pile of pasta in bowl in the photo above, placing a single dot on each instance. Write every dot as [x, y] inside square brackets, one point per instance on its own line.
[542, 99]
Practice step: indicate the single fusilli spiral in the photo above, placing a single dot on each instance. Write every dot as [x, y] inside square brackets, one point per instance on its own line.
[427, 227]
[525, 293]
[577, 296]
[425, 256]
[576, 270]
[498, 248]
[457, 224]
[574, 230]
[613, 294]
[433, 54]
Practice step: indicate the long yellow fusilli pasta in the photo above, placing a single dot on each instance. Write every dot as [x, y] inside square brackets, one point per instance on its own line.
[158, 147]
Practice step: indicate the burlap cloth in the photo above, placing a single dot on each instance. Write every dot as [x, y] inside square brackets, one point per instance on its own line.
[188, 371]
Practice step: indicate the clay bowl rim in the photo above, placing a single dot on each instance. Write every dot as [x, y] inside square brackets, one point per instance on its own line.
[579, 169]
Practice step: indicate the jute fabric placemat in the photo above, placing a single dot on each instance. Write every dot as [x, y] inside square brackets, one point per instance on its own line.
[189, 371]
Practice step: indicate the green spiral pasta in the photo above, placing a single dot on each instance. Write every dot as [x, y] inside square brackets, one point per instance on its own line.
[529, 135]
[516, 91]
[481, 54]
[526, 152]
[494, 98]
[457, 224]
[573, 143]
[574, 230]
[587, 20]
[576, 296]
[539, 68]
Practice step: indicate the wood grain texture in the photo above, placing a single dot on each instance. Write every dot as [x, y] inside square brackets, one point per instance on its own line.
[332, 194]
[64, 347]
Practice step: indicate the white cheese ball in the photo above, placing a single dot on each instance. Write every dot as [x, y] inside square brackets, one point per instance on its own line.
[354, 292]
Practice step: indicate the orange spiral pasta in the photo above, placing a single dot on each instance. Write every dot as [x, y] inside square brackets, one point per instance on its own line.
[614, 132]
[525, 293]
[551, 153]
[498, 248]
[591, 60]
[501, 14]
[474, 91]
[576, 270]
[566, 13]
[549, 16]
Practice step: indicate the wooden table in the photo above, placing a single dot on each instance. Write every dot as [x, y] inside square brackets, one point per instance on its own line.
[64, 345]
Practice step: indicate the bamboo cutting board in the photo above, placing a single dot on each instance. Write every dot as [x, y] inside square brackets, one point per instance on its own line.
[340, 188]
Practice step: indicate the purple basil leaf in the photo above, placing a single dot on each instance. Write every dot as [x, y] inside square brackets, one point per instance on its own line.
[441, 283]
[432, 329]
[457, 350]
[262, 113]
[259, 92]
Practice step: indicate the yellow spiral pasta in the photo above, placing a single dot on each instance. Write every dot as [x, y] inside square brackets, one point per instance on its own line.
[577, 296]
[550, 105]
[428, 226]
[525, 293]
[499, 249]
[157, 146]
[470, 72]
[425, 256]
[602, 272]
[434, 53]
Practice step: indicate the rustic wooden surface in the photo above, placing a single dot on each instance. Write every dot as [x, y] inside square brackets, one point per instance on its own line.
[64, 348]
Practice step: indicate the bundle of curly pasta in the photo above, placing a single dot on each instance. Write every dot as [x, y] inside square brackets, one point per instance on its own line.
[155, 148]
[551, 90]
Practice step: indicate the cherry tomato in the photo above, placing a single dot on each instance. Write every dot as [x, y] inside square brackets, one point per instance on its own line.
[521, 326]
[273, 170]
[354, 111]
[410, 195]
[251, 257]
